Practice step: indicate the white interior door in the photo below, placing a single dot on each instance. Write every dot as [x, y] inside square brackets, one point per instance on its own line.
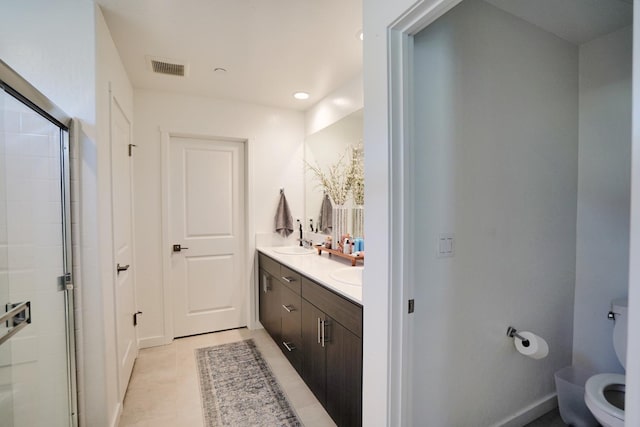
[206, 218]
[125, 306]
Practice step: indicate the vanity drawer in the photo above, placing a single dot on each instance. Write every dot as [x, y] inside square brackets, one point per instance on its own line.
[291, 279]
[291, 339]
[342, 311]
[272, 267]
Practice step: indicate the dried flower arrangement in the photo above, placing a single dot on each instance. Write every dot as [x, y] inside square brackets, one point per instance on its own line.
[340, 178]
[356, 174]
[335, 182]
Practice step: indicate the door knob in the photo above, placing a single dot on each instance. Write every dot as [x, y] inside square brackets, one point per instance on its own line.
[178, 248]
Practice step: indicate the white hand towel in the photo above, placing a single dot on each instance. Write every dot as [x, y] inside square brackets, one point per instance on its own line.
[284, 220]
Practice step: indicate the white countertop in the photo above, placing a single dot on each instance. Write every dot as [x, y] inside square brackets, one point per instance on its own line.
[318, 268]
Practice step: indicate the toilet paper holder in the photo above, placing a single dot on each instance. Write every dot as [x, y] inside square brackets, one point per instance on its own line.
[513, 333]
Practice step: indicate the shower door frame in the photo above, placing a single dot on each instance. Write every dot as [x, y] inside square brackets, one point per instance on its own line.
[16, 86]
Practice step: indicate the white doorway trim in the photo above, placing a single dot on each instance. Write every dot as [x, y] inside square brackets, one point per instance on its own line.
[400, 59]
[632, 413]
[249, 227]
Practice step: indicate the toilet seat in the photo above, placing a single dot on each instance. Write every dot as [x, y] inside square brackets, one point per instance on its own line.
[596, 400]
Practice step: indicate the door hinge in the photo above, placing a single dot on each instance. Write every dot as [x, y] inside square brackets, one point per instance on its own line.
[135, 318]
[65, 282]
[411, 305]
[130, 146]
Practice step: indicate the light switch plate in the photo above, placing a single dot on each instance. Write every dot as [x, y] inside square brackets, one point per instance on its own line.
[446, 245]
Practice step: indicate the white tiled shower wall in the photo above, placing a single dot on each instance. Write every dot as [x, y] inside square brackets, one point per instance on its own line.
[31, 262]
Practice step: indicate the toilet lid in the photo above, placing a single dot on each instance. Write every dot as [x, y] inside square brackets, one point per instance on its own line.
[594, 389]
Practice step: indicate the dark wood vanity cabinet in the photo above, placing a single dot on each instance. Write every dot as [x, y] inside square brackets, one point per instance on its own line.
[323, 336]
[270, 304]
[332, 352]
[279, 307]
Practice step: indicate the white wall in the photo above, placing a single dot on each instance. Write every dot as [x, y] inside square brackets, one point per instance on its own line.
[496, 149]
[275, 139]
[379, 406]
[602, 250]
[52, 45]
[60, 64]
[64, 49]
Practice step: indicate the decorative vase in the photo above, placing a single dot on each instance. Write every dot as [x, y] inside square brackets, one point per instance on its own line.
[339, 222]
[358, 221]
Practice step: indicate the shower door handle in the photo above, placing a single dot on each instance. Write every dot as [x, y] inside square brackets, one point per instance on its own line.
[16, 319]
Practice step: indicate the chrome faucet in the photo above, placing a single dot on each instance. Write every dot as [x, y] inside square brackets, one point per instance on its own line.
[306, 243]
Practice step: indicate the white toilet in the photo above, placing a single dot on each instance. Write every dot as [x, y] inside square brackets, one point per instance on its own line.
[604, 393]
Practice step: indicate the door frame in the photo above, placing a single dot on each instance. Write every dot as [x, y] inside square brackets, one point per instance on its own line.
[114, 103]
[399, 55]
[399, 115]
[248, 246]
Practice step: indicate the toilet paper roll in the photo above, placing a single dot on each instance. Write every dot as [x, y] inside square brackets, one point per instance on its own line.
[537, 349]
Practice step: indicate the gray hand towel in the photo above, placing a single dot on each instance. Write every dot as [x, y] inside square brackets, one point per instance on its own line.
[326, 215]
[284, 220]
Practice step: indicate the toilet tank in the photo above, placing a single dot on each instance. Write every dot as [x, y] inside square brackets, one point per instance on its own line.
[619, 308]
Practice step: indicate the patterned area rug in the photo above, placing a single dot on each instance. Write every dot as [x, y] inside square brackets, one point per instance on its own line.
[239, 389]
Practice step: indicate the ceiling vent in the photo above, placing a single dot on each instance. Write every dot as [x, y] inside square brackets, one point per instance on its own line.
[167, 66]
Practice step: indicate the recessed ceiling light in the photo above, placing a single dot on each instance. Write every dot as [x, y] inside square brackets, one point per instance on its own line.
[301, 95]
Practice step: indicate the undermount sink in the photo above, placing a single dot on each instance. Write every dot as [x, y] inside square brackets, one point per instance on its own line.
[348, 275]
[294, 250]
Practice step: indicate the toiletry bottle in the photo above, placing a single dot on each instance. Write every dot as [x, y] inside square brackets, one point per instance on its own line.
[347, 246]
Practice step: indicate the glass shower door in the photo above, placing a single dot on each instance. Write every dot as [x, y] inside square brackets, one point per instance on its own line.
[36, 369]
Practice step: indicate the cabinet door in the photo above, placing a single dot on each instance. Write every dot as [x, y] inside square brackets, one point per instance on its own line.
[343, 375]
[291, 339]
[270, 304]
[314, 358]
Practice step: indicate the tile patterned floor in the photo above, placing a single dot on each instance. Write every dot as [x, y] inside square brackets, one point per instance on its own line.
[164, 389]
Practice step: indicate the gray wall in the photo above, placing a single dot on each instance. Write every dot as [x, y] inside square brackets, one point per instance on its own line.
[496, 163]
[602, 253]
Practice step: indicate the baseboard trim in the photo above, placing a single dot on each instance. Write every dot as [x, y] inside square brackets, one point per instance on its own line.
[531, 412]
[152, 342]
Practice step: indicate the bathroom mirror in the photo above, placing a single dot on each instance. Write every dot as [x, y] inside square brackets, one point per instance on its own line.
[323, 149]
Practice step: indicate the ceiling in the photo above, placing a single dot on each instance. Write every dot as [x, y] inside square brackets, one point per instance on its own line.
[273, 48]
[269, 48]
[577, 21]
